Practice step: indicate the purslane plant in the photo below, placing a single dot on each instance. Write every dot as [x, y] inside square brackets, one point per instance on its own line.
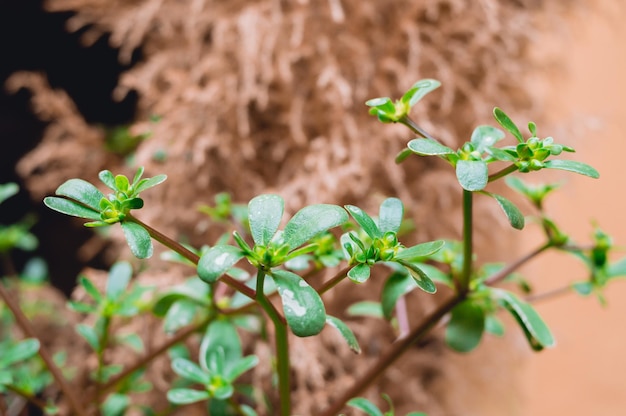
[280, 263]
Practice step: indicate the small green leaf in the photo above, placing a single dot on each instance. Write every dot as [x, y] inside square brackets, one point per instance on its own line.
[108, 179]
[421, 278]
[472, 174]
[18, 352]
[81, 191]
[118, 279]
[180, 314]
[345, 332]
[404, 153]
[365, 221]
[390, 215]
[572, 166]
[187, 396]
[90, 336]
[138, 239]
[507, 123]
[240, 366]
[536, 331]
[617, 269]
[429, 147]
[311, 221]
[583, 288]
[190, 370]
[494, 326]
[419, 90]
[67, 207]
[397, 285]
[149, 183]
[302, 305]
[359, 273]
[514, 215]
[382, 103]
[221, 335]
[486, 136]
[133, 341]
[466, 326]
[365, 308]
[502, 155]
[365, 405]
[7, 190]
[264, 214]
[115, 404]
[90, 288]
[217, 261]
[419, 251]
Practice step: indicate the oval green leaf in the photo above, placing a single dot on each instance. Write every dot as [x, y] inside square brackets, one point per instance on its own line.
[359, 273]
[90, 335]
[390, 215]
[187, 396]
[68, 207]
[190, 370]
[81, 191]
[419, 251]
[419, 90]
[311, 221]
[513, 214]
[19, 352]
[240, 366]
[429, 147]
[7, 190]
[535, 329]
[220, 339]
[118, 279]
[180, 314]
[138, 240]
[421, 278]
[398, 284]
[345, 332]
[507, 123]
[466, 326]
[486, 136]
[264, 215]
[302, 305]
[217, 261]
[148, 183]
[365, 308]
[108, 179]
[364, 405]
[572, 166]
[472, 174]
[365, 221]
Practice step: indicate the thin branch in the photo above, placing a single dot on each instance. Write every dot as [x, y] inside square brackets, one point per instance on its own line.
[179, 337]
[503, 172]
[406, 120]
[191, 256]
[549, 294]
[29, 332]
[502, 274]
[395, 351]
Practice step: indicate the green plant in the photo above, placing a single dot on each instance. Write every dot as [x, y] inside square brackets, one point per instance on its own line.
[307, 244]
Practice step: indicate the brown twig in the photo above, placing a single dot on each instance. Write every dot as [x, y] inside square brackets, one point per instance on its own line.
[179, 337]
[502, 274]
[394, 352]
[29, 332]
[549, 294]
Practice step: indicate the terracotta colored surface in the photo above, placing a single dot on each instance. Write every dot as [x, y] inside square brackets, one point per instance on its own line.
[585, 373]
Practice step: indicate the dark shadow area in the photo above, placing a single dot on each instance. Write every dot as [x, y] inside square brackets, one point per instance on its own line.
[32, 39]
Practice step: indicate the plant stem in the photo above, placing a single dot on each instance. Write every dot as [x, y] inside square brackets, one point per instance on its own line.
[179, 337]
[191, 256]
[502, 274]
[501, 173]
[468, 249]
[29, 332]
[415, 128]
[34, 400]
[395, 351]
[341, 274]
[282, 346]
[103, 341]
[549, 294]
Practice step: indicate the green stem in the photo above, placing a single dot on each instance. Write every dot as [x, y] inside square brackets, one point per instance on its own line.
[395, 351]
[415, 128]
[501, 173]
[189, 255]
[468, 249]
[104, 340]
[282, 346]
[27, 396]
[334, 281]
